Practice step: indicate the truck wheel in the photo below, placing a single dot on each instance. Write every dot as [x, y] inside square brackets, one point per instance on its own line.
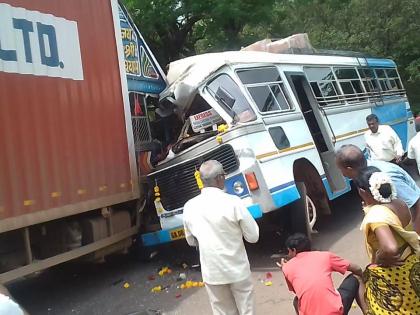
[303, 213]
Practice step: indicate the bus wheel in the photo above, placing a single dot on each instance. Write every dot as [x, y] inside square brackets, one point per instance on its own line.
[303, 213]
[311, 213]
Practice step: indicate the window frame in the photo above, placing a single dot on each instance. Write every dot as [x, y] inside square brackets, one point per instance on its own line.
[210, 92]
[396, 79]
[330, 101]
[281, 84]
[355, 97]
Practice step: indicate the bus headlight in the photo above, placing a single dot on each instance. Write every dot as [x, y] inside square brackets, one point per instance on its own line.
[238, 187]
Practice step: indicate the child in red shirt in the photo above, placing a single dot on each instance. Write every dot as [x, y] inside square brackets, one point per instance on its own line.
[308, 275]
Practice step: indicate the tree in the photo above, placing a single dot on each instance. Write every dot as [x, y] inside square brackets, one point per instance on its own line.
[179, 28]
[387, 29]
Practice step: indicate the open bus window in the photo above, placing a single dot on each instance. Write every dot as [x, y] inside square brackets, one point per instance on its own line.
[266, 88]
[394, 79]
[324, 86]
[368, 79]
[350, 84]
[389, 82]
[228, 94]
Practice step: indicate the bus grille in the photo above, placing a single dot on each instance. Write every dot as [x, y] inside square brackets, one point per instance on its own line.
[178, 185]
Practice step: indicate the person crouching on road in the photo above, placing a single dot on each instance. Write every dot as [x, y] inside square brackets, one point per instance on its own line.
[217, 223]
[308, 275]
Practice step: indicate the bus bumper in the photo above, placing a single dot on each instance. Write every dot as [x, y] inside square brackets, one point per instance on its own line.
[166, 236]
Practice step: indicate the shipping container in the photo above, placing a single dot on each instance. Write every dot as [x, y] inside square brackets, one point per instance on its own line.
[68, 173]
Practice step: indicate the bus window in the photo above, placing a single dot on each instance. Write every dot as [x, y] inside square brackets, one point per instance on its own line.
[394, 79]
[235, 103]
[279, 137]
[323, 85]
[368, 79]
[350, 84]
[266, 88]
[383, 81]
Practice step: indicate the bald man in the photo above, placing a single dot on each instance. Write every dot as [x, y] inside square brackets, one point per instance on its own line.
[350, 160]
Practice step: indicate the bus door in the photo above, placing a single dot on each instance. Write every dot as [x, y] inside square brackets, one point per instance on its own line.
[313, 118]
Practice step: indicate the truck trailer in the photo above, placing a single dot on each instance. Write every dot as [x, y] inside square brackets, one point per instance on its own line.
[73, 76]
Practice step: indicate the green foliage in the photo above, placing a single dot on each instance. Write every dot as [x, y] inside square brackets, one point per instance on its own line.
[386, 28]
[179, 28]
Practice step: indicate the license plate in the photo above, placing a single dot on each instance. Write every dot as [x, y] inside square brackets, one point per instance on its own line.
[177, 234]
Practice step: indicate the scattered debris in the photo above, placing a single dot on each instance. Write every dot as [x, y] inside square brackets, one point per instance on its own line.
[268, 283]
[191, 284]
[178, 295]
[164, 271]
[153, 254]
[268, 275]
[151, 277]
[182, 276]
[156, 289]
[184, 265]
[126, 285]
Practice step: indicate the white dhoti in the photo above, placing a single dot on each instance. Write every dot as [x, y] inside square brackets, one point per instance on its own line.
[232, 298]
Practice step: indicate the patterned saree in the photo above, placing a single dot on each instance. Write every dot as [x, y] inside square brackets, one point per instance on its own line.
[392, 290]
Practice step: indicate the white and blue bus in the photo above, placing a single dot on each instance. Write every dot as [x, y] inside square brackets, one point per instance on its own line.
[272, 120]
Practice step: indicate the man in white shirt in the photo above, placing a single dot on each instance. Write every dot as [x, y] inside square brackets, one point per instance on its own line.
[7, 305]
[218, 222]
[413, 151]
[382, 141]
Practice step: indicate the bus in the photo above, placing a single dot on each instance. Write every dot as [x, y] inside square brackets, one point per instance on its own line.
[274, 121]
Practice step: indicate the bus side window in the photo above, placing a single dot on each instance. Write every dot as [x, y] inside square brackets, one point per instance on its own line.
[323, 85]
[350, 84]
[266, 88]
[279, 137]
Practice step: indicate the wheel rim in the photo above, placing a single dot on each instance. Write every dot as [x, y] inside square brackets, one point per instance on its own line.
[311, 212]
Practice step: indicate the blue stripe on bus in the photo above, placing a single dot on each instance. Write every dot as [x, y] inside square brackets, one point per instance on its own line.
[164, 236]
[375, 62]
[155, 238]
[402, 132]
[285, 196]
[332, 195]
[255, 211]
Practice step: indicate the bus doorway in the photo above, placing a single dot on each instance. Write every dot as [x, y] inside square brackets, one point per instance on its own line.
[317, 127]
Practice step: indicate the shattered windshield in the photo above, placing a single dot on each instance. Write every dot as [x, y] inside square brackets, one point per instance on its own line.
[227, 93]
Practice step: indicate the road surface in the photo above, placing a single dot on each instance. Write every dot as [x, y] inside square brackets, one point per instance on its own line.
[76, 288]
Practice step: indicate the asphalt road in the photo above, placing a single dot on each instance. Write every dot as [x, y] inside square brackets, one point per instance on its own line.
[76, 288]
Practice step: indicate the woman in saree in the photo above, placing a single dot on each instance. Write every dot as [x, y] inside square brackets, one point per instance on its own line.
[393, 278]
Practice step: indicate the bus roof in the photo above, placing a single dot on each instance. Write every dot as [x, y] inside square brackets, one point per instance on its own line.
[186, 75]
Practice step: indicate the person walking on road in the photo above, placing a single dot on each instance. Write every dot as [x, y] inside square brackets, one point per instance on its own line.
[308, 275]
[393, 277]
[217, 223]
[382, 141]
[350, 160]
